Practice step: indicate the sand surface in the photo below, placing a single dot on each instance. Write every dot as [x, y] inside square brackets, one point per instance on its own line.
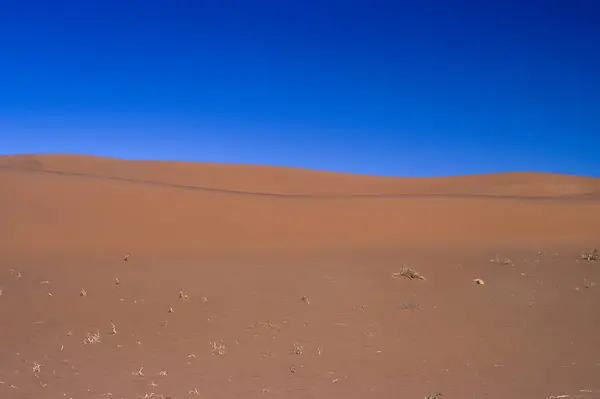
[283, 282]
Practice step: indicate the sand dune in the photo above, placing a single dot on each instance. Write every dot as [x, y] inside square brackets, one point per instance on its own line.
[99, 204]
[293, 181]
[276, 259]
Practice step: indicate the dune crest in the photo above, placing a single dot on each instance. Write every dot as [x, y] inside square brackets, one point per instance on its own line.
[296, 181]
[89, 204]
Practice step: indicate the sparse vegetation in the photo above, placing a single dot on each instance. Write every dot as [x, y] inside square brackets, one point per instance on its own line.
[218, 348]
[408, 273]
[37, 367]
[411, 307]
[82, 292]
[591, 256]
[298, 349]
[433, 396]
[505, 261]
[92, 338]
[587, 283]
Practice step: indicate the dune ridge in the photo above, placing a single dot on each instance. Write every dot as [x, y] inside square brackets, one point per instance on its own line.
[67, 210]
[286, 181]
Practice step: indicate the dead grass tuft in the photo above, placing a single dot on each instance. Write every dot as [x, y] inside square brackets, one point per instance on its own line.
[408, 273]
[505, 261]
[298, 349]
[218, 348]
[587, 283]
[433, 396]
[92, 338]
[411, 306]
[591, 257]
[37, 367]
[82, 292]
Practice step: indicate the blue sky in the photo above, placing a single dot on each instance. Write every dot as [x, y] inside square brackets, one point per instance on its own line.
[411, 88]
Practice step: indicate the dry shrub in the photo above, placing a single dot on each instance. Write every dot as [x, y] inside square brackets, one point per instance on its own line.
[592, 256]
[408, 273]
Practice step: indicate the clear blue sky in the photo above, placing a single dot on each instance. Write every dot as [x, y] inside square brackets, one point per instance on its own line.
[415, 87]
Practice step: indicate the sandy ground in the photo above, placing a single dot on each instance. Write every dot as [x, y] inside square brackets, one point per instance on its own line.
[283, 283]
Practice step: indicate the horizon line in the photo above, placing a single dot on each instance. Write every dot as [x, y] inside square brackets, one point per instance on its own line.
[294, 167]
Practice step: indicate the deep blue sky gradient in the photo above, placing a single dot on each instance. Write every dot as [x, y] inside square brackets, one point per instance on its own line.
[415, 87]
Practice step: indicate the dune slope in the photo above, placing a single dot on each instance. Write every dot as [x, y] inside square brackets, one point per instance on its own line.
[75, 203]
[262, 282]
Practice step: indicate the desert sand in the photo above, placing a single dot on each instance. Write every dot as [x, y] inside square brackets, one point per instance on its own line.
[265, 282]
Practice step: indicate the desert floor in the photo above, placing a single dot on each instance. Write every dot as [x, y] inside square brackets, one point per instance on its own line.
[263, 282]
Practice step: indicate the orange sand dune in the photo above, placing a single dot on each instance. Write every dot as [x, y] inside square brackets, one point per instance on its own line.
[289, 283]
[84, 210]
[266, 179]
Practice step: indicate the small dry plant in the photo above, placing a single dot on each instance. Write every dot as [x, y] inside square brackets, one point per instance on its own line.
[587, 283]
[433, 396]
[505, 261]
[139, 373]
[92, 338]
[82, 292]
[592, 256]
[117, 281]
[183, 295]
[37, 367]
[113, 329]
[411, 306]
[194, 392]
[408, 273]
[298, 349]
[218, 348]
